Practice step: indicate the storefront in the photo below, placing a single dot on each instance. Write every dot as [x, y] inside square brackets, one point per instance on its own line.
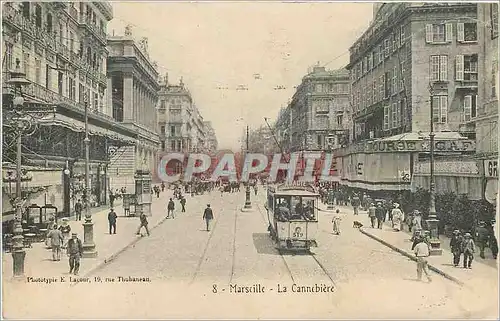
[491, 180]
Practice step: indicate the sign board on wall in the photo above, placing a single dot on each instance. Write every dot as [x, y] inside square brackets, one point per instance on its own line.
[491, 167]
[381, 167]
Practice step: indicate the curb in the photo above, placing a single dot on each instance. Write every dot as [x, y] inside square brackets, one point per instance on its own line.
[113, 256]
[246, 210]
[412, 257]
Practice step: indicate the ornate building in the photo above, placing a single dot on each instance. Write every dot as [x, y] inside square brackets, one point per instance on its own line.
[61, 47]
[133, 79]
[211, 143]
[315, 117]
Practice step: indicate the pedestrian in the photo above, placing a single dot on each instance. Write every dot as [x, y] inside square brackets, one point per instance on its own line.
[144, 223]
[65, 230]
[56, 240]
[111, 199]
[397, 218]
[468, 248]
[416, 222]
[112, 220]
[183, 204]
[456, 246]
[162, 186]
[208, 215]
[336, 222]
[380, 214]
[78, 210]
[422, 253]
[372, 213]
[355, 202]
[482, 237]
[170, 208]
[75, 251]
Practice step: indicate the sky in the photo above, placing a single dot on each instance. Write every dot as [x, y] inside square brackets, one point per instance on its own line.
[224, 44]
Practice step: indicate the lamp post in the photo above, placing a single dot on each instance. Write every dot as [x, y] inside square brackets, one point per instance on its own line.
[432, 220]
[248, 203]
[89, 248]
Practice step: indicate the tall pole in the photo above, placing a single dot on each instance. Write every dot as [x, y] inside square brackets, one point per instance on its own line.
[89, 250]
[432, 221]
[248, 203]
[18, 253]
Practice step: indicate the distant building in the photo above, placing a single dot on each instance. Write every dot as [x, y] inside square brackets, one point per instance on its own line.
[211, 143]
[133, 80]
[414, 57]
[314, 118]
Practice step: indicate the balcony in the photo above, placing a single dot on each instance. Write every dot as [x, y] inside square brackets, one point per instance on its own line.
[12, 16]
[63, 52]
[86, 23]
[29, 27]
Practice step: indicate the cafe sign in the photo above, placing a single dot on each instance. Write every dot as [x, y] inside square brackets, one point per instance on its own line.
[408, 146]
[491, 167]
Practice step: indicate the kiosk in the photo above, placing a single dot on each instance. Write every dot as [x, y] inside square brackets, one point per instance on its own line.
[143, 192]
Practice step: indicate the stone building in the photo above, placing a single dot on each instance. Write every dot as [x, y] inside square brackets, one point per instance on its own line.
[61, 47]
[316, 111]
[181, 125]
[414, 58]
[133, 81]
[211, 143]
[486, 116]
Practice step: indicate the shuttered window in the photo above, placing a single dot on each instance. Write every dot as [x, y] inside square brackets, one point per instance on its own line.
[470, 107]
[440, 109]
[386, 117]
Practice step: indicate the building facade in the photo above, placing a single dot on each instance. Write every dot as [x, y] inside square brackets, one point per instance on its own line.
[211, 143]
[413, 60]
[133, 80]
[315, 116]
[61, 47]
[486, 117]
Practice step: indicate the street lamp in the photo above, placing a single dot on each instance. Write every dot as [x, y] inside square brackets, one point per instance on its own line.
[432, 220]
[89, 248]
[20, 123]
[248, 203]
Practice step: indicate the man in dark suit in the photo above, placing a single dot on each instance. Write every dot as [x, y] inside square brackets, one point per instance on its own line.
[75, 251]
[112, 220]
[78, 210]
[208, 215]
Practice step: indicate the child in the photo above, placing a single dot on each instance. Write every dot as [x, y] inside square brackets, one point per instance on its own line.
[336, 222]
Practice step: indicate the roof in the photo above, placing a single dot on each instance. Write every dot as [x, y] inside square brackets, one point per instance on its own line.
[297, 192]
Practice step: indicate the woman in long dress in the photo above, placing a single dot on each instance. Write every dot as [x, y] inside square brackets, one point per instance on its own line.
[397, 217]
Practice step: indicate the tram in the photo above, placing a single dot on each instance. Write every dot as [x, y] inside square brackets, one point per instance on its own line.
[292, 212]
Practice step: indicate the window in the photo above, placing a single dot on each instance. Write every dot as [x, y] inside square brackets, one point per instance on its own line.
[179, 145]
[340, 119]
[26, 64]
[370, 61]
[71, 41]
[380, 54]
[438, 33]
[319, 88]
[382, 88]
[81, 94]
[467, 32]
[26, 9]
[60, 82]
[374, 90]
[470, 107]
[466, 67]
[494, 79]
[38, 71]
[394, 112]
[394, 84]
[365, 65]
[402, 36]
[96, 101]
[375, 57]
[399, 113]
[38, 16]
[320, 141]
[162, 130]
[386, 47]
[494, 20]
[72, 88]
[49, 23]
[404, 111]
[163, 145]
[387, 84]
[48, 76]
[320, 106]
[386, 117]
[439, 68]
[172, 145]
[394, 42]
[331, 88]
[8, 56]
[440, 109]
[172, 130]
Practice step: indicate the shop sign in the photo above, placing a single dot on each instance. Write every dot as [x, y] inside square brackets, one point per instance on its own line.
[464, 145]
[491, 167]
[448, 167]
[382, 146]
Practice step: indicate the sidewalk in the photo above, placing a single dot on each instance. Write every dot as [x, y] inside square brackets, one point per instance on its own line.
[38, 261]
[483, 272]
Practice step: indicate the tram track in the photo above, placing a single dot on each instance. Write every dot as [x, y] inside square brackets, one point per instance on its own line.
[295, 263]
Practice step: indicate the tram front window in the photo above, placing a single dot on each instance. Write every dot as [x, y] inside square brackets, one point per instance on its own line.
[282, 208]
[309, 211]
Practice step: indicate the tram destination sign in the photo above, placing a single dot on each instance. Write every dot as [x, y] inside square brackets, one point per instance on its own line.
[386, 146]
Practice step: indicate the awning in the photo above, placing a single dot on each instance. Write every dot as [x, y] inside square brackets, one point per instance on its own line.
[77, 126]
[376, 187]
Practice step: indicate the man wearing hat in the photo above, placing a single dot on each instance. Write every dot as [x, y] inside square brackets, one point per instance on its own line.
[208, 215]
[482, 238]
[74, 251]
[372, 214]
[112, 220]
[65, 230]
[456, 246]
[422, 252]
[468, 248]
[380, 214]
[397, 217]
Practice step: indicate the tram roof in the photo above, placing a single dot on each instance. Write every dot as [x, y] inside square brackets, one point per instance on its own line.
[292, 191]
